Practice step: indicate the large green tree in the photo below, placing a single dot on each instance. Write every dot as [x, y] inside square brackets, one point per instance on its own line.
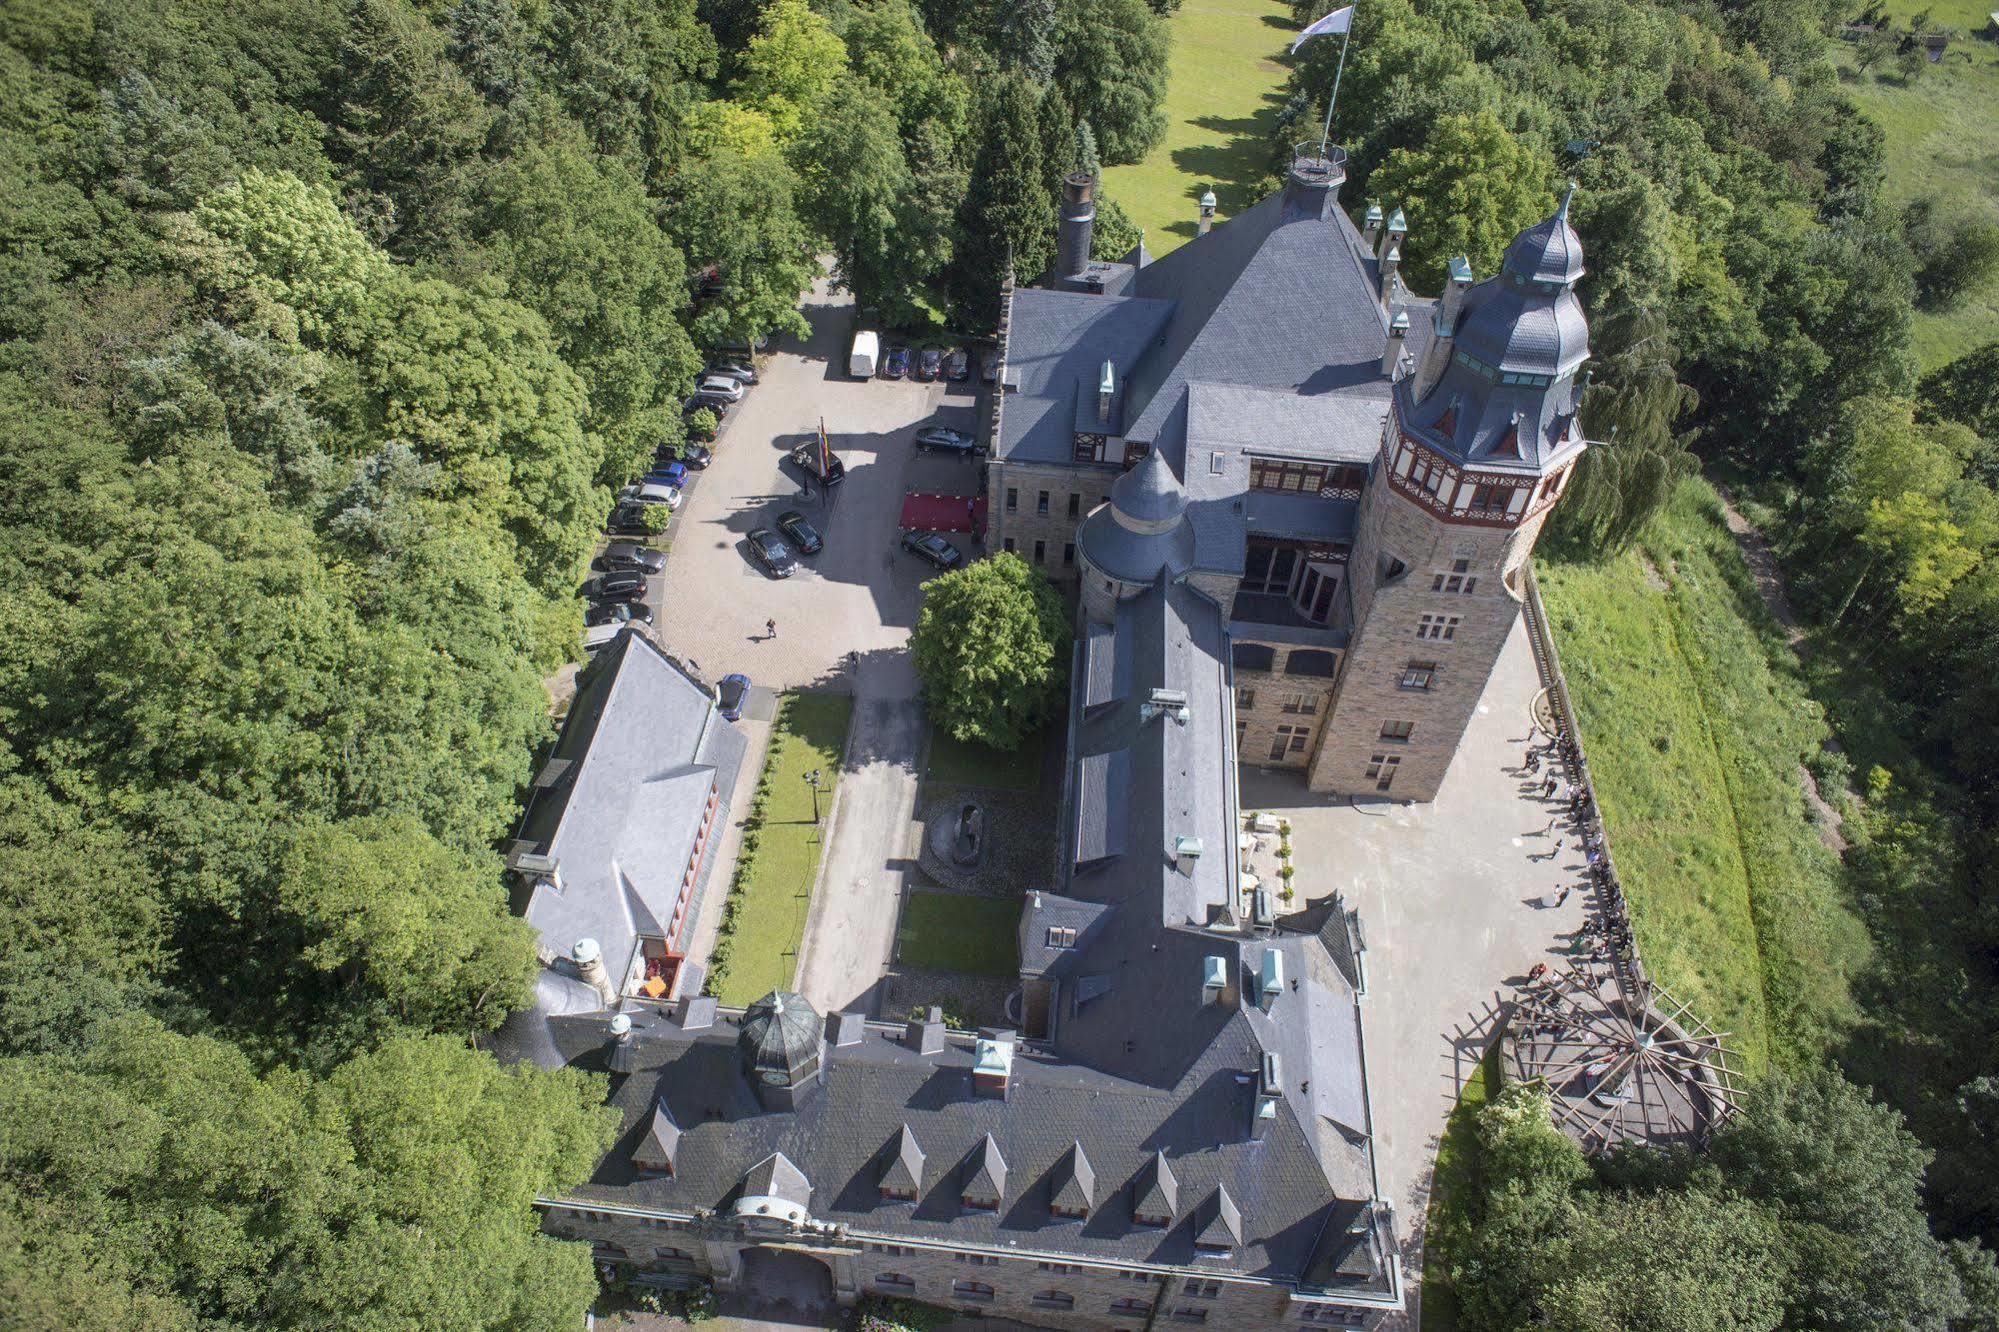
[1008, 216]
[1467, 189]
[991, 646]
[1110, 64]
[740, 215]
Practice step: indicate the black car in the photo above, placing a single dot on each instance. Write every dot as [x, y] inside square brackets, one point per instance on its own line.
[806, 457]
[945, 440]
[624, 557]
[896, 364]
[929, 363]
[617, 612]
[624, 586]
[740, 370]
[719, 406]
[957, 366]
[802, 535]
[932, 549]
[629, 520]
[769, 550]
[696, 456]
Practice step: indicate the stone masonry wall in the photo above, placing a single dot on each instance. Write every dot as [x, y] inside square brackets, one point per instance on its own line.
[1024, 524]
[1462, 641]
[1023, 1286]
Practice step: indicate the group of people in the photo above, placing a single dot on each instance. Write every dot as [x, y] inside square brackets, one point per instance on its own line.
[1605, 936]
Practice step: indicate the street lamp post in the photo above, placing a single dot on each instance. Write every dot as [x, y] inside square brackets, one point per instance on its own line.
[812, 780]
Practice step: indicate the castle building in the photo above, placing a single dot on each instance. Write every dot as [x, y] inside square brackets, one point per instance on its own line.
[1363, 471]
[1295, 500]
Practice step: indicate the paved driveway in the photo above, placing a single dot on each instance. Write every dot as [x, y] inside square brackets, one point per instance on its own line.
[859, 595]
[1445, 893]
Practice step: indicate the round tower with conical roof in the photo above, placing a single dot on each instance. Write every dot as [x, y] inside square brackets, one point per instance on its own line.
[782, 1045]
[1475, 451]
[1142, 532]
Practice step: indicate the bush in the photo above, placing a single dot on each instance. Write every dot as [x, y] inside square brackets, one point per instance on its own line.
[657, 517]
[701, 425]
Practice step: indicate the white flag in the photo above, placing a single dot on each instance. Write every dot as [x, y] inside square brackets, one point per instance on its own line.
[1337, 21]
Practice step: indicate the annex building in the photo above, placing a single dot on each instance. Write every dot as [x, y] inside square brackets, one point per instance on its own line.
[1296, 501]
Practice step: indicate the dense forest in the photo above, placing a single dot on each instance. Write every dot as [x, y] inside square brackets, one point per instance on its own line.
[325, 328]
[1752, 286]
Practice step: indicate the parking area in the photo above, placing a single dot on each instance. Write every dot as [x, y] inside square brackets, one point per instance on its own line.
[859, 594]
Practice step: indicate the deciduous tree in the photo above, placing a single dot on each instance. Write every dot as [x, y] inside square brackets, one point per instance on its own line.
[991, 646]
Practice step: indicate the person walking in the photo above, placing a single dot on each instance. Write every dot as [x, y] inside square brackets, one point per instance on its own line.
[770, 628]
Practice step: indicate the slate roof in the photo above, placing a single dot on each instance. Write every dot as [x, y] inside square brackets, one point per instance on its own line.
[904, 1171]
[1072, 1184]
[640, 749]
[985, 1171]
[1058, 341]
[1219, 1222]
[1156, 1192]
[776, 1177]
[661, 1141]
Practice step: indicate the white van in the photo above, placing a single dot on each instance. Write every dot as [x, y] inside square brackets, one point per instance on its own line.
[867, 354]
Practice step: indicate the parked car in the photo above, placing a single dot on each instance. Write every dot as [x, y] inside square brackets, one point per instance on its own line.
[617, 612]
[989, 364]
[806, 457]
[799, 531]
[930, 363]
[743, 351]
[626, 586]
[725, 387]
[667, 474]
[946, 440]
[896, 364]
[621, 556]
[867, 351]
[932, 549]
[647, 492]
[708, 283]
[732, 368]
[769, 550]
[731, 692]
[629, 519]
[690, 454]
[957, 365]
[718, 407]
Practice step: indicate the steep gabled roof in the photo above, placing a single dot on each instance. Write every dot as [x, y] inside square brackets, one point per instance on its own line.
[1218, 1225]
[904, 1171]
[1155, 1192]
[985, 1171]
[1073, 1184]
[655, 1151]
[776, 1177]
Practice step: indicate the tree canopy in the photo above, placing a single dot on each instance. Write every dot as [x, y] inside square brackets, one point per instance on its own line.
[991, 646]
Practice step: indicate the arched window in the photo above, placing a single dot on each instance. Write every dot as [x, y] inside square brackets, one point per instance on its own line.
[895, 1281]
[1055, 1299]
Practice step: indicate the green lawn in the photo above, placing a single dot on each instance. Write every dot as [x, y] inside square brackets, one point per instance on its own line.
[1222, 97]
[961, 764]
[951, 932]
[1695, 715]
[1943, 139]
[1452, 1190]
[769, 901]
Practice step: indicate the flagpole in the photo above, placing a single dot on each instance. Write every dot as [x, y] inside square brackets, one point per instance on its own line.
[1326, 134]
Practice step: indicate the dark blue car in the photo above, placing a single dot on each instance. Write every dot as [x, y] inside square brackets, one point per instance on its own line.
[731, 692]
[667, 474]
[896, 364]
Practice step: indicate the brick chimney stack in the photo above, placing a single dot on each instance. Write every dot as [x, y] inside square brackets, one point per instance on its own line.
[1079, 218]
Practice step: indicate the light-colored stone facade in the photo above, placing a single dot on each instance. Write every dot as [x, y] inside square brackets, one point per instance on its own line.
[1045, 1289]
[1070, 493]
[1273, 707]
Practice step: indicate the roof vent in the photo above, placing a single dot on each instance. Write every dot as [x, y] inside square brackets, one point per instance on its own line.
[1171, 702]
[992, 1063]
[1214, 978]
[1186, 848]
[1269, 979]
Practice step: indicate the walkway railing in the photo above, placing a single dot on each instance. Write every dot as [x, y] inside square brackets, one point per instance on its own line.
[1619, 944]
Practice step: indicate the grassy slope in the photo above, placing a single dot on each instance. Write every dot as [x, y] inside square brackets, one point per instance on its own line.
[770, 914]
[1696, 716]
[1221, 99]
[951, 932]
[1943, 138]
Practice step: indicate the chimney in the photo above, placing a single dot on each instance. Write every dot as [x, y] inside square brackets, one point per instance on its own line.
[1370, 231]
[1394, 231]
[1106, 391]
[847, 1028]
[1207, 211]
[1391, 283]
[1443, 328]
[697, 1012]
[1391, 356]
[589, 960]
[992, 1062]
[620, 1058]
[1079, 217]
[925, 1035]
[1269, 979]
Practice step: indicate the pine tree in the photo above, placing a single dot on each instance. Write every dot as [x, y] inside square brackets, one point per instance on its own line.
[1086, 149]
[1008, 213]
[1023, 37]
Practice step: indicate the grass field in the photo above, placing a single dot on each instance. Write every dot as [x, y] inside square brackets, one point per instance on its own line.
[960, 764]
[773, 888]
[1943, 139]
[1222, 98]
[1695, 717]
[1451, 1191]
[951, 932]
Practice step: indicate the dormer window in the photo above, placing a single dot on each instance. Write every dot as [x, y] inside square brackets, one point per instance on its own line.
[1061, 936]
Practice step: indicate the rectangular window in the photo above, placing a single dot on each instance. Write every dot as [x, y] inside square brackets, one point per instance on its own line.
[1075, 505]
[1040, 551]
[1041, 504]
[1455, 583]
[895, 1281]
[1130, 1308]
[1202, 1290]
[1135, 449]
[1012, 500]
[1444, 627]
[1284, 475]
[1398, 731]
[1068, 553]
[1326, 1316]
[1054, 1299]
[1381, 769]
[1190, 1314]
[1489, 496]
[975, 1259]
[1060, 1269]
[1245, 698]
[1060, 936]
[1008, 543]
[1419, 675]
[1288, 740]
[1302, 705]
